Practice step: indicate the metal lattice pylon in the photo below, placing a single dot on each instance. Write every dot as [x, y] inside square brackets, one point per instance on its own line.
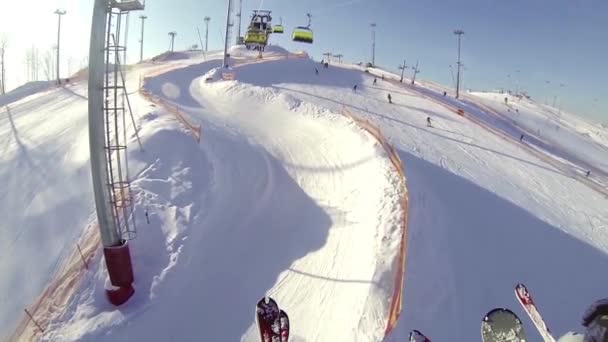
[116, 108]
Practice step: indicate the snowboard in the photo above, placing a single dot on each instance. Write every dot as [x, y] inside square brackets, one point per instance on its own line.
[273, 323]
[525, 299]
[502, 325]
[417, 336]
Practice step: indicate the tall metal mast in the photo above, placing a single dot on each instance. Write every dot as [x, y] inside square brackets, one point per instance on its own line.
[59, 14]
[225, 63]
[373, 26]
[141, 49]
[459, 33]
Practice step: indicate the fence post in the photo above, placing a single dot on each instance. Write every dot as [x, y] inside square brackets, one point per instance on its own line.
[84, 261]
[33, 320]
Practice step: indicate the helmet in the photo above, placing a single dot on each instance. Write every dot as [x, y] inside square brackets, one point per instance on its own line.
[595, 321]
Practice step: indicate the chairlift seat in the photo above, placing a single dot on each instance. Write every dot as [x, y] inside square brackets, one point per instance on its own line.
[302, 34]
[128, 5]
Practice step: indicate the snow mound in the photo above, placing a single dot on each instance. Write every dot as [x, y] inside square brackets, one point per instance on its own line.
[174, 56]
[24, 91]
[270, 50]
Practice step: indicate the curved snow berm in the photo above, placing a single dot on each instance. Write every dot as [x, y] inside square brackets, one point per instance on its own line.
[281, 197]
[348, 173]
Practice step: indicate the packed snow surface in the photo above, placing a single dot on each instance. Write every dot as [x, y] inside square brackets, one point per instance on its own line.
[285, 196]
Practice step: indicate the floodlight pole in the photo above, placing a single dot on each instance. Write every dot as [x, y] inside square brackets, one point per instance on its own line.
[225, 63]
[373, 26]
[207, 19]
[239, 24]
[402, 67]
[416, 71]
[141, 45]
[59, 14]
[172, 34]
[459, 33]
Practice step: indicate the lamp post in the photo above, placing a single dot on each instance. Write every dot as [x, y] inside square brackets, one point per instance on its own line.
[207, 19]
[225, 63]
[373, 26]
[59, 14]
[459, 33]
[141, 48]
[172, 34]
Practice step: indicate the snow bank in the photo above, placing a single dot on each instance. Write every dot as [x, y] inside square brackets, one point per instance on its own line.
[270, 50]
[24, 91]
[46, 191]
[172, 178]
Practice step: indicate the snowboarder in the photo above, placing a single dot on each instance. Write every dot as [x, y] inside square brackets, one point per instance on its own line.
[316, 71]
[428, 122]
[588, 173]
[521, 138]
[375, 81]
[390, 98]
[445, 93]
[355, 88]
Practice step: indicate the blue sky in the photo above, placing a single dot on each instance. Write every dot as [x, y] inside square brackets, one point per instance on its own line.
[533, 41]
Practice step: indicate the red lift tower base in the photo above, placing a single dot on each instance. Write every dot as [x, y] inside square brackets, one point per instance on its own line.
[120, 270]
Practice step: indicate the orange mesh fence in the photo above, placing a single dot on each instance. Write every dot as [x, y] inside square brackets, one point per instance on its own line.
[396, 299]
[55, 296]
[195, 130]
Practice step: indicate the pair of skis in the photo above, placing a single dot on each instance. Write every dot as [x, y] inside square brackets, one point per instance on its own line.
[502, 325]
[273, 323]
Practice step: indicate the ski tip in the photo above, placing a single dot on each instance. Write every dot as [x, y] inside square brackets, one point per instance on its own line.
[418, 336]
[497, 311]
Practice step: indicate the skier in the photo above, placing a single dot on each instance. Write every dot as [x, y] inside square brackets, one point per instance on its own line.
[588, 173]
[521, 138]
[375, 80]
[355, 88]
[383, 77]
[428, 122]
[445, 93]
[595, 321]
[316, 71]
[390, 98]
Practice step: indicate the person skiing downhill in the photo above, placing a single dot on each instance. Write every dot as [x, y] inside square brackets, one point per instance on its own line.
[428, 121]
[390, 98]
[595, 321]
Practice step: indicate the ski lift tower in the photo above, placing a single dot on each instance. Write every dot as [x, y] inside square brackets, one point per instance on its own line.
[108, 105]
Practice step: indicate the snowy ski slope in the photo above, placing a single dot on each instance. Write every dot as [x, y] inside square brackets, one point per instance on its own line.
[285, 196]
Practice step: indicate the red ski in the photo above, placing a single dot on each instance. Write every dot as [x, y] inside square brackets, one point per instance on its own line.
[525, 299]
[273, 323]
[267, 315]
[284, 326]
